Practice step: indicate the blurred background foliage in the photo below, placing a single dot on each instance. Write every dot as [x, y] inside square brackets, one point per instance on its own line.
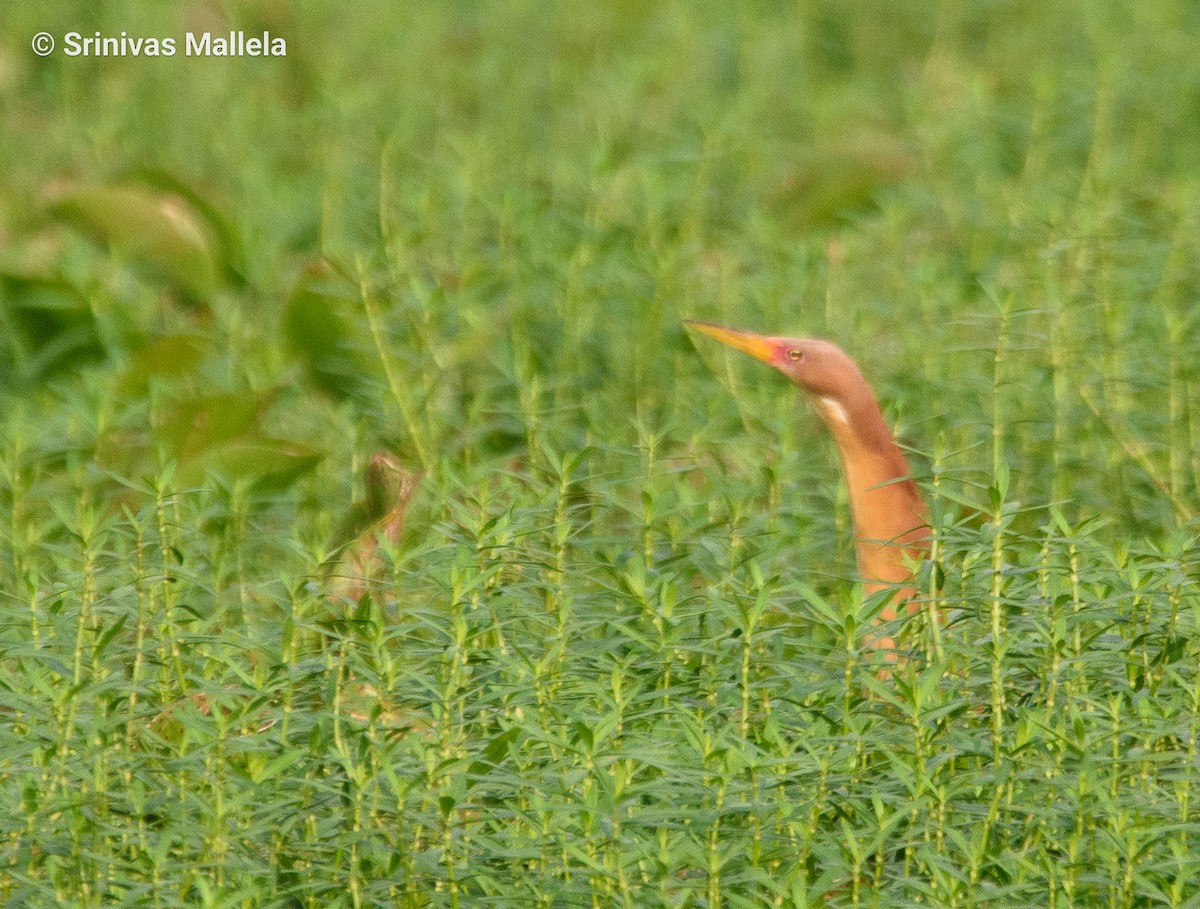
[513, 199]
[616, 646]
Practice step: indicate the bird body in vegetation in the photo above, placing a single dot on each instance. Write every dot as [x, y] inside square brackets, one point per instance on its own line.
[380, 516]
[890, 520]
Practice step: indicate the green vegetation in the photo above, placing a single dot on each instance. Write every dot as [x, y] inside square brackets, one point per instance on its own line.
[616, 658]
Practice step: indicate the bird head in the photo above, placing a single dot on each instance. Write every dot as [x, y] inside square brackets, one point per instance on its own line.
[820, 368]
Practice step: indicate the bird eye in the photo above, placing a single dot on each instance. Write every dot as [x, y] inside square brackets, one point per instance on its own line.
[795, 354]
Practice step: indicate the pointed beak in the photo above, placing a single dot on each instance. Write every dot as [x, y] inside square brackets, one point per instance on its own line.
[760, 347]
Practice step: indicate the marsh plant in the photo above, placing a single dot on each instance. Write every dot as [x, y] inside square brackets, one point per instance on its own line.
[617, 656]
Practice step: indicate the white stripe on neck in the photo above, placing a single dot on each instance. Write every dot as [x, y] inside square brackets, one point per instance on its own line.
[834, 410]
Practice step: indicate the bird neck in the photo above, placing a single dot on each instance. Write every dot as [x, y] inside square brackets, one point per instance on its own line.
[889, 514]
[861, 433]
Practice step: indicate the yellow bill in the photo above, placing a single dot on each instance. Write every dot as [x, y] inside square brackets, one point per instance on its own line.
[761, 347]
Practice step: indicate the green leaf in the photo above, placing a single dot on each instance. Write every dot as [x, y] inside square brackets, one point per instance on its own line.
[322, 324]
[189, 427]
[159, 233]
[163, 357]
[271, 464]
[48, 328]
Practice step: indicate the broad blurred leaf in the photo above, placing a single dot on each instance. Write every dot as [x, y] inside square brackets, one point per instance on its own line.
[222, 434]
[189, 427]
[48, 328]
[218, 226]
[162, 357]
[159, 233]
[323, 324]
[272, 464]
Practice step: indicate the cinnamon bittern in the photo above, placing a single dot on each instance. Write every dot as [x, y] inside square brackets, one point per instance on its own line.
[890, 522]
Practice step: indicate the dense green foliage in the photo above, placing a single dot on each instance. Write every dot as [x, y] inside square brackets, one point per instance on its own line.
[617, 658]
